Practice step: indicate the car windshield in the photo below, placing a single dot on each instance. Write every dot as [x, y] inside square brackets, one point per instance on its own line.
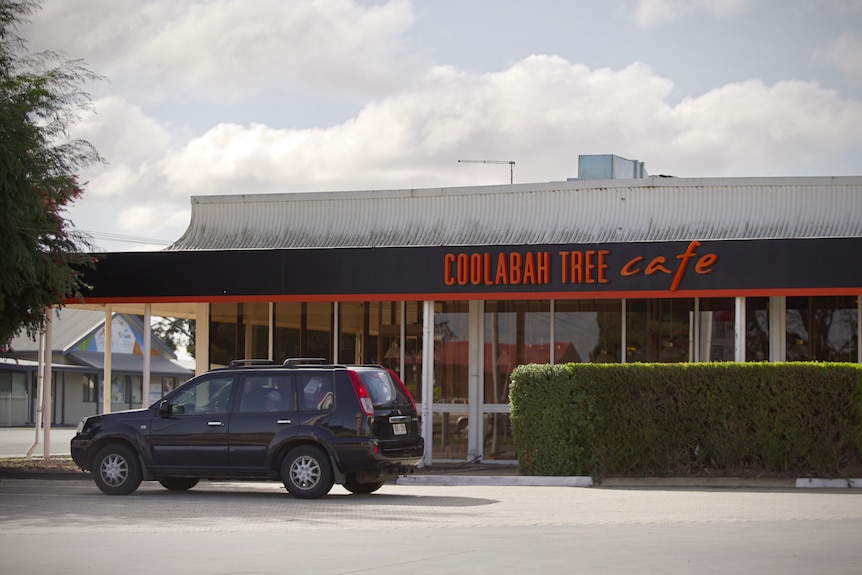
[384, 390]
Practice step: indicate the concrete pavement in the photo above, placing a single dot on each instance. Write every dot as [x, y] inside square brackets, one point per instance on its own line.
[234, 527]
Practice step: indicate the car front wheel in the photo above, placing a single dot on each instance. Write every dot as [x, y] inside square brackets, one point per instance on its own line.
[116, 470]
[307, 473]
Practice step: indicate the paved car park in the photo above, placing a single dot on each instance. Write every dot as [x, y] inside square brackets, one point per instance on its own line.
[69, 526]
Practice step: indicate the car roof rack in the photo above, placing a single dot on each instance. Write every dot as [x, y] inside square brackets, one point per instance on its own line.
[242, 362]
[293, 361]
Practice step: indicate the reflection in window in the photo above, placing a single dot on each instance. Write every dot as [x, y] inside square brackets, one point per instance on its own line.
[657, 330]
[717, 329]
[587, 331]
[208, 396]
[451, 341]
[821, 329]
[516, 333]
[757, 329]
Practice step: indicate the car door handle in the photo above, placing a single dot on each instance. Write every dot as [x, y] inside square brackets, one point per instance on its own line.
[215, 424]
[284, 421]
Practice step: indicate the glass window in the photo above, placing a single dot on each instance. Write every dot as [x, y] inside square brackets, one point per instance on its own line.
[267, 393]
[302, 329]
[255, 322]
[451, 378]
[757, 329]
[588, 331]
[355, 322]
[384, 390]
[821, 329]
[658, 330]
[315, 391]
[223, 333]
[208, 395]
[451, 343]
[717, 328]
[91, 387]
[316, 330]
[516, 333]
[499, 442]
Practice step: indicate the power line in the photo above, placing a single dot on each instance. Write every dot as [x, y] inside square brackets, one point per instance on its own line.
[127, 239]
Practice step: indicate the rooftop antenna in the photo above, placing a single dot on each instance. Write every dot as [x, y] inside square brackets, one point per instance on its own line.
[511, 166]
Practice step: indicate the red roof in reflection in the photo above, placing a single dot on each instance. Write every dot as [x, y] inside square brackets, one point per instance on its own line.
[455, 353]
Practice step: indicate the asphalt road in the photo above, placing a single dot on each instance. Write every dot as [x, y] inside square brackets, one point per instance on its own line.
[68, 526]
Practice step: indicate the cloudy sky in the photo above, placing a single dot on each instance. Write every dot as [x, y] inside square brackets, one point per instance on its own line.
[258, 96]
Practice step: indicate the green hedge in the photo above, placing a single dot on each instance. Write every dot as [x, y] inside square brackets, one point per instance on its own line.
[682, 419]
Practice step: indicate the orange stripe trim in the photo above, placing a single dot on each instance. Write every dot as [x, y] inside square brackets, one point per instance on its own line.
[449, 296]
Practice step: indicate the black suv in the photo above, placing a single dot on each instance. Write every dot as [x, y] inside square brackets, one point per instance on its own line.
[307, 423]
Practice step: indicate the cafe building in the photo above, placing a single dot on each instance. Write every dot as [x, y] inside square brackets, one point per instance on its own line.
[454, 287]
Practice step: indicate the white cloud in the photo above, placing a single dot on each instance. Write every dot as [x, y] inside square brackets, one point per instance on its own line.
[649, 13]
[541, 113]
[844, 54]
[753, 129]
[225, 50]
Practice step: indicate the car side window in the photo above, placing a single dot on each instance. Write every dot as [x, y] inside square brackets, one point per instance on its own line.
[261, 393]
[208, 396]
[315, 390]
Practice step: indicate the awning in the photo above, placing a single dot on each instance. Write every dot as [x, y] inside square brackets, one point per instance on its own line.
[130, 363]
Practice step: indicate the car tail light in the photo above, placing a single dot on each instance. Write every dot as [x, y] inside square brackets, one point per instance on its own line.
[403, 387]
[361, 393]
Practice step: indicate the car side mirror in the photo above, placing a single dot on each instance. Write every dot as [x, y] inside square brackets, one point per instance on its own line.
[164, 407]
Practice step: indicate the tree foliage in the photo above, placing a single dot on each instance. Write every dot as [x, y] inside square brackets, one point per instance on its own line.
[176, 333]
[41, 254]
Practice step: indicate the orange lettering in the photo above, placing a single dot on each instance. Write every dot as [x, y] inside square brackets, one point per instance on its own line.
[502, 277]
[629, 269]
[657, 265]
[529, 269]
[448, 260]
[515, 268]
[704, 263]
[544, 268]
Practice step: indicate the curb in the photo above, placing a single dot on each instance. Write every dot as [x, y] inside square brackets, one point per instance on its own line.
[499, 480]
[630, 483]
[813, 483]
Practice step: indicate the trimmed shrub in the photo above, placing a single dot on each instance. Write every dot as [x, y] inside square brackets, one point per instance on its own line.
[680, 419]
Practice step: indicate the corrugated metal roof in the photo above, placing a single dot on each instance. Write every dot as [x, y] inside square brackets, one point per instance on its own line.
[642, 210]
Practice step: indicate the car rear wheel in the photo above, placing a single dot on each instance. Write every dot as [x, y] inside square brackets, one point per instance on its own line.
[307, 473]
[116, 470]
[179, 483]
[354, 486]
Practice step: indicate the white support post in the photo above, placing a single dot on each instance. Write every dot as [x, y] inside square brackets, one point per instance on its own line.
[106, 376]
[47, 384]
[202, 338]
[148, 350]
[427, 377]
[336, 328]
[739, 330]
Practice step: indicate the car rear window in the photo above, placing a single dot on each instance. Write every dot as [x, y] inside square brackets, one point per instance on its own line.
[384, 390]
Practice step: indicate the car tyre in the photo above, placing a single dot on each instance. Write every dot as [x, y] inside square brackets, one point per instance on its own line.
[116, 470]
[179, 483]
[307, 473]
[357, 488]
